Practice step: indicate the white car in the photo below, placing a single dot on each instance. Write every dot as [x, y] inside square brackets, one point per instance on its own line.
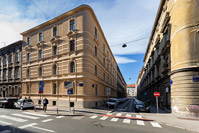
[112, 103]
[24, 103]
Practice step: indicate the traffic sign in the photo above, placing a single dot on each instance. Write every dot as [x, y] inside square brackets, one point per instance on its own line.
[41, 86]
[156, 94]
[68, 85]
[70, 91]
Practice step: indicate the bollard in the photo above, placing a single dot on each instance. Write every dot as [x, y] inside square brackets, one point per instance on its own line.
[57, 110]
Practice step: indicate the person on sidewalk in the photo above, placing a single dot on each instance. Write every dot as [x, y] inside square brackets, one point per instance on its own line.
[45, 102]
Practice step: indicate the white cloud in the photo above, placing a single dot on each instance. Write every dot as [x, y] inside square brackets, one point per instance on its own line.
[124, 60]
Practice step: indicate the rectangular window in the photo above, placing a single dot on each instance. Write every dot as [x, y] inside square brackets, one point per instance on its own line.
[104, 61]
[10, 74]
[10, 58]
[96, 90]
[95, 32]
[28, 73]
[72, 24]
[40, 71]
[28, 56]
[40, 54]
[72, 45]
[104, 76]
[54, 50]
[95, 51]
[40, 37]
[17, 57]
[4, 60]
[28, 89]
[16, 72]
[54, 31]
[4, 74]
[28, 40]
[104, 48]
[54, 88]
[96, 70]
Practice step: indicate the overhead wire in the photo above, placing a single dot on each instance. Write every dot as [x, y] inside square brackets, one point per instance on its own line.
[40, 9]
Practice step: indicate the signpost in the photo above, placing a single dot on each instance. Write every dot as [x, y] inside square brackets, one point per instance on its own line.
[156, 94]
[41, 87]
[69, 92]
[69, 85]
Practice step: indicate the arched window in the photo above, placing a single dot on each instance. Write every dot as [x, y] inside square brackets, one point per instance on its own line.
[40, 71]
[72, 67]
[54, 69]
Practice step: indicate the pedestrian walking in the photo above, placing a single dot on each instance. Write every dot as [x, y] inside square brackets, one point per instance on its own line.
[45, 102]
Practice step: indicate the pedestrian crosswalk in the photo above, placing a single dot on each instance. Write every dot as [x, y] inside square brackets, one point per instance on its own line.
[126, 119]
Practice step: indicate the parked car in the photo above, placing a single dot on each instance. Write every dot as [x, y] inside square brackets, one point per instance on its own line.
[112, 103]
[141, 107]
[8, 102]
[24, 103]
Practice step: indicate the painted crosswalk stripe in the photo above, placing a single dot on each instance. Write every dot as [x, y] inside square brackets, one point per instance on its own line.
[28, 125]
[93, 117]
[140, 122]
[77, 117]
[60, 117]
[13, 118]
[104, 118]
[6, 131]
[114, 119]
[29, 113]
[109, 113]
[3, 123]
[26, 116]
[154, 124]
[127, 120]
[47, 120]
[118, 114]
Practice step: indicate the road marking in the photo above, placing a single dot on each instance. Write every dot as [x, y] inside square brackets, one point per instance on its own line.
[6, 131]
[26, 116]
[77, 117]
[93, 117]
[109, 113]
[114, 119]
[47, 120]
[59, 117]
[3, 123]
[33, 126]
[140, 122]
[28, 125]
[13, 118]
[35, 114]
[43, 129]
[118, 114]
[123, 109]
[154, 124]
[104, 118]
[127, 120]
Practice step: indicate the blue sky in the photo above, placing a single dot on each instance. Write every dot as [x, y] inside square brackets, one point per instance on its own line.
[121, 21]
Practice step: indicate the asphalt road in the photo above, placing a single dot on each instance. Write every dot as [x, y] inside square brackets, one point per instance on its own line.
[18, 121]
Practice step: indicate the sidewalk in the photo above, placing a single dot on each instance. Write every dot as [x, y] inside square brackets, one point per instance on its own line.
[171, 120]
[56, 110]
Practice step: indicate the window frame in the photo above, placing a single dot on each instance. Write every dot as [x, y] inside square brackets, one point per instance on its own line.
[40, 37]
[72, 25]
[72, 45]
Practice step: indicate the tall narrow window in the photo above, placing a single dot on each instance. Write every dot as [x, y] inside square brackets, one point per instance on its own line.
[16, 57]
[28, 56]
[104, 48]
[104, 61]
[4, 60]
[54, 50]
[40, 71]
[54, 31]
[40, 37]
[10, 73]
[96, 90]
[72, 45]
[54, 88]
[72, 67]
[72, 24]
[4, 74]
[54, 69]
[28, 72]
[96, 70]
[40, 54]
[16, 72]
[95, 32]
[95, 51]
[28, 40]
[10, 58]
[28, 89]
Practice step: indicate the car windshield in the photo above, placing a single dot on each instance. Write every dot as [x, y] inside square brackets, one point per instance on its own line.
[112, 100]
[139, 103]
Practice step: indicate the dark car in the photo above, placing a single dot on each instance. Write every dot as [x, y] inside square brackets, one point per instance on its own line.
[7, 102]
[141, 107]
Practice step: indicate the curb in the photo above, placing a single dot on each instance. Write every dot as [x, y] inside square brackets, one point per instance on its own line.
[172, 125]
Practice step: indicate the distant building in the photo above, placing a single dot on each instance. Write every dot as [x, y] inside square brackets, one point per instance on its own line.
[171, 62]
[130, 90]
[10, 70]
[70, 49]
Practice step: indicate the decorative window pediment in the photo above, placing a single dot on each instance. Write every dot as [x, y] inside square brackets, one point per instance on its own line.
[72, 32]
[40, 43]
[55, 39]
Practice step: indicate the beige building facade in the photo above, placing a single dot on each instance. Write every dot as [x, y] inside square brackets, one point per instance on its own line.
[70, 48]
[10, 70]
[172, 60]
